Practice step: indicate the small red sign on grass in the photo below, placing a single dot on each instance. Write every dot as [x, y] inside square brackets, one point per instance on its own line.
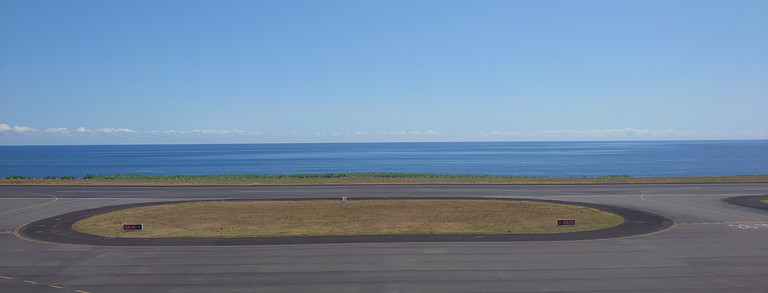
[566, 222]
[132, 227]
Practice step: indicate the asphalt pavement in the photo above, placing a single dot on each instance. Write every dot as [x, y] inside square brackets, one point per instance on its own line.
[714, 247]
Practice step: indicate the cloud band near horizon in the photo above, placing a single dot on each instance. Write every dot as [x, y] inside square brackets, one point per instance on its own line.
[20, 134]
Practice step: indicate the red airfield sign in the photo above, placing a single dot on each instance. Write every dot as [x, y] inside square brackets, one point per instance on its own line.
[132, 227]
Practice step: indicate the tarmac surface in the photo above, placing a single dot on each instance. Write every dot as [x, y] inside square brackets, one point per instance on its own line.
[749, 201]
[714, 247]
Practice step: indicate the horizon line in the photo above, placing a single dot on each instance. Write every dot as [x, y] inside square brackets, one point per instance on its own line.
[394, 142]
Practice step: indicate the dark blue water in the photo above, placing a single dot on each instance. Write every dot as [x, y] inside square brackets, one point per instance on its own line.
[553, 159]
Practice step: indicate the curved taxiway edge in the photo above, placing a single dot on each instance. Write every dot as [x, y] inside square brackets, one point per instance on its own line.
[58, 230]
[752, 201]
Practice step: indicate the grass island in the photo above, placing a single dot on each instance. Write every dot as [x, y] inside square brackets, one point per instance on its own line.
[355, 217]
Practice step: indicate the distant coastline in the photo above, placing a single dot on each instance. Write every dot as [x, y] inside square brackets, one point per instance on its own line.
[362, 178]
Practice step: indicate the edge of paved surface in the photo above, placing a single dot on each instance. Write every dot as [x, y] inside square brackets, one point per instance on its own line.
[58, 229]
[752, 201]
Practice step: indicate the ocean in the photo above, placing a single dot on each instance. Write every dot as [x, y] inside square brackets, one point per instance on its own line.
[548, 159]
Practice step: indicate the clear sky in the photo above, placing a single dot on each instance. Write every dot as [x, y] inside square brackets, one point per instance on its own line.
[123, 72]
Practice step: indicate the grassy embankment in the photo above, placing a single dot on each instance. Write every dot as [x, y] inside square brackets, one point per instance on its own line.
[361, 178]
[364, 217]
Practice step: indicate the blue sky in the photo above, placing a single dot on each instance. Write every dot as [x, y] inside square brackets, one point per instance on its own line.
[123, 72]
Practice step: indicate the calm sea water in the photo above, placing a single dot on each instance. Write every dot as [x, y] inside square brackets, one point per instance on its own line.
[555, 159]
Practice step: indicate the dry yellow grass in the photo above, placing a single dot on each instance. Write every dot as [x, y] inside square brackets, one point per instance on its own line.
[364, 217]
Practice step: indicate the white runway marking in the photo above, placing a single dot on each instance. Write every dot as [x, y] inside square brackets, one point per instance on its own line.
[37, 205]
[642, 196]
[749, 226]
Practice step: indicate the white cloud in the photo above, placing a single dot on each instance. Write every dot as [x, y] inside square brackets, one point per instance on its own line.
[211, 131]
[162, 132]
[390, 133]
[22, 129]
[24, 134]
[504, 133]
[425, 133]
[402, 132]
[204, 132]
[17, 129]
[82, 130]
[116, 130]
[618, 133]
[60, 130]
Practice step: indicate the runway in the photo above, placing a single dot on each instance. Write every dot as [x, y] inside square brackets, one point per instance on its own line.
[715, 247]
